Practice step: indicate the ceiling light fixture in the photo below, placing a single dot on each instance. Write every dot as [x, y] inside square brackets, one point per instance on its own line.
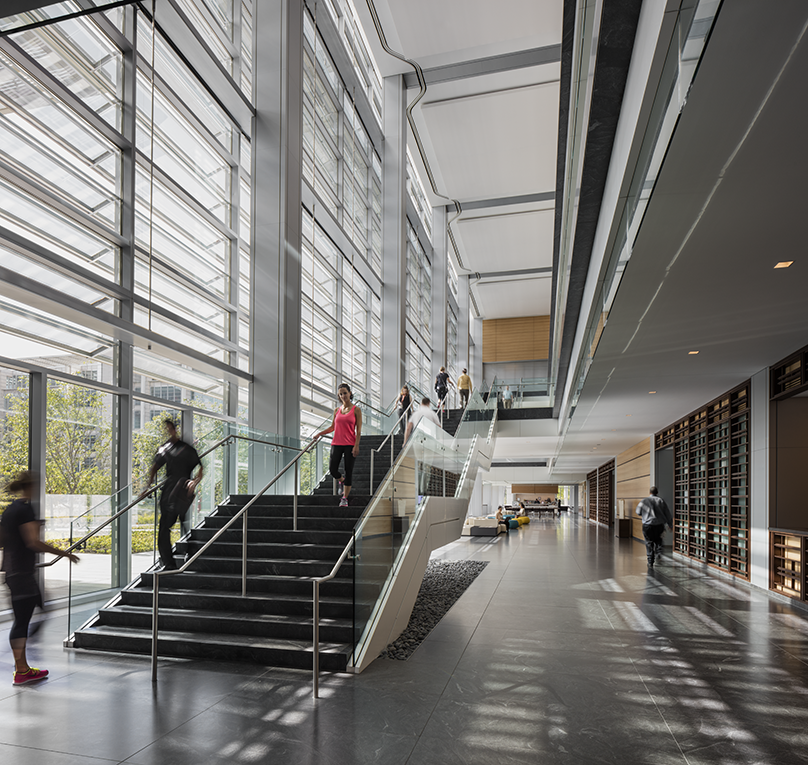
[651, 391]
[692, 353]
[784, 264]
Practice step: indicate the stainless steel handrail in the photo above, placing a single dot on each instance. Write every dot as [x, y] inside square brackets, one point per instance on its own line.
[240, 514]
[317, 581]
[152, 490]
[391, 434]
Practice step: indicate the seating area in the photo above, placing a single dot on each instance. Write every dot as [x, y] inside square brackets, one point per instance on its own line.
[487, 526]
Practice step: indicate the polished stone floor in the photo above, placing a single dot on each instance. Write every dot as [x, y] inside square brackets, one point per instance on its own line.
[564, 650]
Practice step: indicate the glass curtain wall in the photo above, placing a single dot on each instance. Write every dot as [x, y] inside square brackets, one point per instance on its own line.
[125, 204]
[419, 312]
[340, 163]
[341, 314]
[417, 195]
[341, 329]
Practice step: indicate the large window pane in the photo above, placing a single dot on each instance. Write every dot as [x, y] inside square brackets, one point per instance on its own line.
[83, 59]
[78, 481]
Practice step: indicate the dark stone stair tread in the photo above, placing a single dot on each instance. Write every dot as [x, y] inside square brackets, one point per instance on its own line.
[268, 619]
[217, 640]
[335, 549]
[251, 596]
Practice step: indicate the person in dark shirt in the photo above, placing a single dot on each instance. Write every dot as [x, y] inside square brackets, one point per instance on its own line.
[19, 530]
[179, 459]
[655, 516]
[442, 383]
[403, 407]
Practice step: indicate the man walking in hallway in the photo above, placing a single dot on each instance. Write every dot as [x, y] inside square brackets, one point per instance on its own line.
[655, 516]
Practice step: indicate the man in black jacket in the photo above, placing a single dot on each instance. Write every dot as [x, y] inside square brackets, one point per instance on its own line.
[177, 495]
[655, 516]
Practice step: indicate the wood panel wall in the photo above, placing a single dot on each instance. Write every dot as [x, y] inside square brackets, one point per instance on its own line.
[633, 476]
[543, 490]
[521, 339]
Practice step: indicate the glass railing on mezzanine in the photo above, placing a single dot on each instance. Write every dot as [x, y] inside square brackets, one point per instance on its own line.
[524, 393]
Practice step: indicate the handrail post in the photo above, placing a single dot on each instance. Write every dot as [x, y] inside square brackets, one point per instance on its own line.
[315, 658]
[244, 555]
[294, 501]
[155, 594]
[372, 455]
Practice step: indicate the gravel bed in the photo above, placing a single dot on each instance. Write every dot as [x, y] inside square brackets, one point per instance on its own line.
[444, 582]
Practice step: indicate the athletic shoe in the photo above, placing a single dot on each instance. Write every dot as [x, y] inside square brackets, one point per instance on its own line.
[30, 674]
[341, 487]
[343, 502]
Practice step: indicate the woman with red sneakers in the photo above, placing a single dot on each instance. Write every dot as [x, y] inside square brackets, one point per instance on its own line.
[19, 530]
[346, 426]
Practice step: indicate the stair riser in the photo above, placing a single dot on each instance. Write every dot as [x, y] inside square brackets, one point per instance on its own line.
[213, 523]
[194, 622]
[338, 587]
[258, 552]
[331, 510]
[275, 568]
[278, 537]
[274, 500]
[273, 657]
[277, 607]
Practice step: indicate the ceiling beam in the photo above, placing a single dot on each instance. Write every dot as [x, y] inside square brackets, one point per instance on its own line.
[520, 272]
[482, 204]
[507, 62]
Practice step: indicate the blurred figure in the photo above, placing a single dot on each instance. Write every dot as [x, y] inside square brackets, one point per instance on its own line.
[20, 536]
[423, 411]
[464, 386]
[177, 495]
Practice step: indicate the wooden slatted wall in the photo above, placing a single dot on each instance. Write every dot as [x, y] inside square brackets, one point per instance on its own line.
[521, 339]
[633, 476]
[533, 489]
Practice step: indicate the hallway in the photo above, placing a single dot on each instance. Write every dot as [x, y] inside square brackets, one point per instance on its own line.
[564, 650]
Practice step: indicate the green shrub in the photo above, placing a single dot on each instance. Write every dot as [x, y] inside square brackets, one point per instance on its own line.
[142, 541]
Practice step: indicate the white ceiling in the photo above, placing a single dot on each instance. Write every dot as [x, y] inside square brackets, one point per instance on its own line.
[498, 242]
[496, 144]
[486, 137]
[436, 34]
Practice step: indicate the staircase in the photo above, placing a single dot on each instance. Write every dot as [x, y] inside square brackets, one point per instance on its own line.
[202, 613]
[451, 420]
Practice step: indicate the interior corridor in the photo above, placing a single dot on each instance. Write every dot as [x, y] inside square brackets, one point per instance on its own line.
[564, 650]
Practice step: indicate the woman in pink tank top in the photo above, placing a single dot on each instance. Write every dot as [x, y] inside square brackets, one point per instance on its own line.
[346, 426]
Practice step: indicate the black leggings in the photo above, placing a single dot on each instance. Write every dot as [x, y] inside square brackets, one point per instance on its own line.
[23, 611]
[337, 453]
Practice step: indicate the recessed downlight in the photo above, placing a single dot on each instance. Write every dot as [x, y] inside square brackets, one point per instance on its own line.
[692, 353]
[651, 392]
[784, 264]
